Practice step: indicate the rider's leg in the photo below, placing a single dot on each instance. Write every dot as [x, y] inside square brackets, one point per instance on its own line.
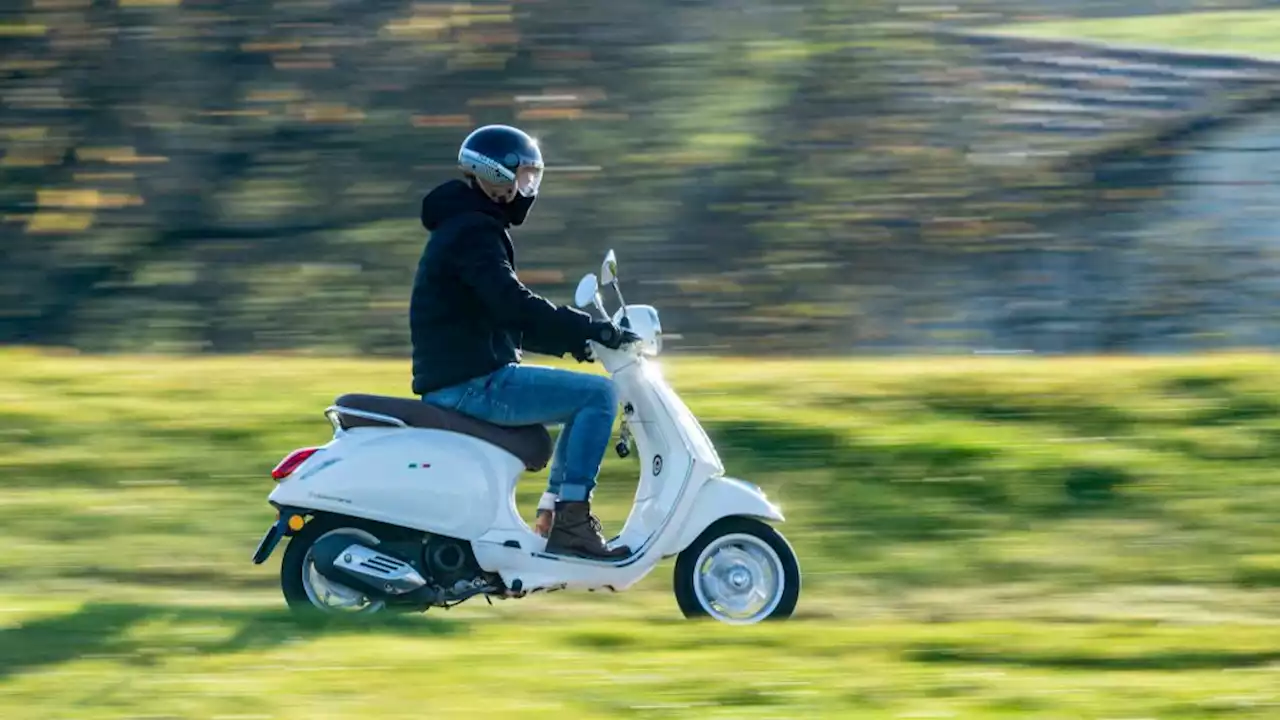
[587, 404]
[547, 503]
[575, 529]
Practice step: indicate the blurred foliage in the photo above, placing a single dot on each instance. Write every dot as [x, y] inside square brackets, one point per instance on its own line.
[1252, 31]
[230, 175]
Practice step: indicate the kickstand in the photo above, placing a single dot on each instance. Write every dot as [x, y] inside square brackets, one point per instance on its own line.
[486, 597]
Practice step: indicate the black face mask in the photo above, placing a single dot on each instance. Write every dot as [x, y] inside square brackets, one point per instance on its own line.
[515, 211]
[518, 209]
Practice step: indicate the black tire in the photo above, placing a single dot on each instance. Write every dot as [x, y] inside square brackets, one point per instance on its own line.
[686, 570]
[291, 566]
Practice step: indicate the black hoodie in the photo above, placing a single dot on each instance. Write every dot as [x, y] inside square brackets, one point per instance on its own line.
[470, 314]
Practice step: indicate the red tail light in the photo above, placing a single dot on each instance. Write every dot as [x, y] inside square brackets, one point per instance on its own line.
[291, 462]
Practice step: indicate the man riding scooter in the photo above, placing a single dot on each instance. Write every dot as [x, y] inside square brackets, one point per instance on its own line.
[470, 317]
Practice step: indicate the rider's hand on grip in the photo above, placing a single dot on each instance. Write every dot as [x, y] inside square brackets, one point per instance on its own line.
[610, 335]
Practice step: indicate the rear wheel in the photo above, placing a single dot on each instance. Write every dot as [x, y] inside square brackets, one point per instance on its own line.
[739, 571]
[309, 593]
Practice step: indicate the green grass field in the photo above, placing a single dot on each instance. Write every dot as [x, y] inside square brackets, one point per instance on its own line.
[1248, 32]
[981, 538]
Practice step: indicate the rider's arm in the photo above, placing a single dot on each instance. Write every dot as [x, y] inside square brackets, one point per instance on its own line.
[481, 263]
[532, 342]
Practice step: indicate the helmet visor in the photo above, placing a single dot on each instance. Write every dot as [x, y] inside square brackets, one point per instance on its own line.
[528, 180]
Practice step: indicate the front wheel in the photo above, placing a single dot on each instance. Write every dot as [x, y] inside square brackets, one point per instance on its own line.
[739, 571]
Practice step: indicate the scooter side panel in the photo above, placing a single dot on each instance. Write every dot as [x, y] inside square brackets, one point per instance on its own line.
[431, 480]
[721, 497]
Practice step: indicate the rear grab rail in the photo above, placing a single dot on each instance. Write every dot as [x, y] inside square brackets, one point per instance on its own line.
[335, 412]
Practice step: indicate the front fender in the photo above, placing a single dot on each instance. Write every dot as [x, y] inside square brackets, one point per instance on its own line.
[719, 498]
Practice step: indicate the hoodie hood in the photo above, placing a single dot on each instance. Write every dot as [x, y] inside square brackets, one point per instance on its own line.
[454, 198]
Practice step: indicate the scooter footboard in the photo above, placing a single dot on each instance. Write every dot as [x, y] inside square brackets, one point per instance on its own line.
[719, 498]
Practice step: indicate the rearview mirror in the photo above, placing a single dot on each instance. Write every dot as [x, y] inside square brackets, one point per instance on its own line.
[609, 269]
[587, 292]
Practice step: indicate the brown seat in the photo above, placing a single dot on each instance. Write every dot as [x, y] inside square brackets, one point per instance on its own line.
[530, 443]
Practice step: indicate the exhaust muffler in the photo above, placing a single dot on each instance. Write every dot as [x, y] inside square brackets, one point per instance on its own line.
[344, 559]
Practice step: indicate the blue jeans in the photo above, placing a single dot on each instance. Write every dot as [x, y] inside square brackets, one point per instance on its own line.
[532, 395]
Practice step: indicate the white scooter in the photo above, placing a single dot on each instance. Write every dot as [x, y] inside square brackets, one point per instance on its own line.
[410, 506]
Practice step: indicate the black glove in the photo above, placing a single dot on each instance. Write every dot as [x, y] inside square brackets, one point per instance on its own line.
[610, 335]
[582, 354]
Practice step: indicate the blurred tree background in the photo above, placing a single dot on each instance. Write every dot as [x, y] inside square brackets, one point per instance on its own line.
[245, 175]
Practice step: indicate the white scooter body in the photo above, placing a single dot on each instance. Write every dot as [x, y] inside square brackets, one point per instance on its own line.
[463, 487]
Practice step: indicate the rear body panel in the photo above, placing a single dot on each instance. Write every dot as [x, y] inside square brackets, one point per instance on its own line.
[430, 480]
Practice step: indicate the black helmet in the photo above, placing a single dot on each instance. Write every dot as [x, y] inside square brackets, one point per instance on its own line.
[503, 157]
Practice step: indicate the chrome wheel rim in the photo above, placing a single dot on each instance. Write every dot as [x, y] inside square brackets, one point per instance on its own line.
[739, 579]
[330, 596]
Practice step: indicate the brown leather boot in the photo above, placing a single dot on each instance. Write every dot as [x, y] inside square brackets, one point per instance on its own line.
[576, 531]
